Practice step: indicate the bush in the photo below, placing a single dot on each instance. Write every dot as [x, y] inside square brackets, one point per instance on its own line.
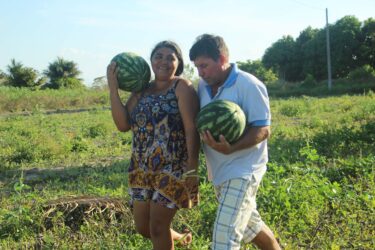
[366, 72]
[257, 69]
[309, 81]
[65, 82]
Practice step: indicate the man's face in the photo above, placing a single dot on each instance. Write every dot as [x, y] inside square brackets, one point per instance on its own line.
[210, 70]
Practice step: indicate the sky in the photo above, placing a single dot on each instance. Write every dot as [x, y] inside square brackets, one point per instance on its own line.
[92, 32]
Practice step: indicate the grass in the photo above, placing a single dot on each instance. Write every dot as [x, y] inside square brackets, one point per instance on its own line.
[320, 89]
[15, 100]
[318, 192]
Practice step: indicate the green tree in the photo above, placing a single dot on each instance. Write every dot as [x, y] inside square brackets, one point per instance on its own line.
[279, 57]
[345, 46]
[100, 83]
[315, 56]
[367, 38]
[21, 76]
[63, 74]
[302, 57]
[257, 69]
[352, 46]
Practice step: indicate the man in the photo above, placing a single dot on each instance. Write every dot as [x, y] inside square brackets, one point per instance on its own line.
[235, 169]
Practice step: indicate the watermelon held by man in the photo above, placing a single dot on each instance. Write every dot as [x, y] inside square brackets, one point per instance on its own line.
[222, 117]
[133, 72]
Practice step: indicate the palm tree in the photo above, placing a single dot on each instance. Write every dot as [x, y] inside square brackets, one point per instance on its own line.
[63, 73]
[21, 76]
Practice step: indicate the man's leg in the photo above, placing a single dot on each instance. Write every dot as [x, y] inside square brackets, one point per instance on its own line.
[265, 239]
[257, 231]
[233, 213]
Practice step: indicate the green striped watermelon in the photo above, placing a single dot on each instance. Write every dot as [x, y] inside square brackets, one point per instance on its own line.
[133, 72]
[222, 117]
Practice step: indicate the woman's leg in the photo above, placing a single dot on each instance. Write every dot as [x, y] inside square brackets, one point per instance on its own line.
[141, 213]
[160, 222]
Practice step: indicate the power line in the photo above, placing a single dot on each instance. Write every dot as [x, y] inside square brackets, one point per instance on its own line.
[308, 5]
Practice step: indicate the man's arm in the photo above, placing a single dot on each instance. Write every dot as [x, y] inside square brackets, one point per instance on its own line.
[251, 137]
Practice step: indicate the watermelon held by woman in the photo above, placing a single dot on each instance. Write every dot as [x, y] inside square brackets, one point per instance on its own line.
[222, 117]
[133, 72]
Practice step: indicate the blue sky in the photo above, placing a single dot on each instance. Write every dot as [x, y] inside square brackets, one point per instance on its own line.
[91, 32]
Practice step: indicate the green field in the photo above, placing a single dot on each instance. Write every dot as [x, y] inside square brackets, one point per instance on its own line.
[56, 146]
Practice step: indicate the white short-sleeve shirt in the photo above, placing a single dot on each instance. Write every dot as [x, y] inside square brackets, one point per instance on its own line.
[251, 95]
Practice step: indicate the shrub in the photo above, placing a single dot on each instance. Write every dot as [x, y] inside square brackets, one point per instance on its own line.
[257, 69]
[366, 72]
[309, 81]
[65, 82]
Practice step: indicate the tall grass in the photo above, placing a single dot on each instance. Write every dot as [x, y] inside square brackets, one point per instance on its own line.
[24, 99]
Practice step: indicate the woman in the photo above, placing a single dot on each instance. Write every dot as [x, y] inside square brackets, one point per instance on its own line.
[165, 149]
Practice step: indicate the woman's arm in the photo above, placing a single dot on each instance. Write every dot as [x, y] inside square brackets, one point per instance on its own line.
[120, 113]
[188, 104]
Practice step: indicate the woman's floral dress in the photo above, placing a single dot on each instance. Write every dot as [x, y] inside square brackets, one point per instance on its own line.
[159, 152]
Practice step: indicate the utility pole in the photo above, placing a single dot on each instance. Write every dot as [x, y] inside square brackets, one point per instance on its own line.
[328, 54]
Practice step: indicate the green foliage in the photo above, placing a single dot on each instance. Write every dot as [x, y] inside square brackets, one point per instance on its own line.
[100, 83]
[345, 49]
[309, 81]
[279, 55]
[347, 140]
[59, 139]
[368, 42]
[65, 82]
[27, 100]
[352, 45]
[63, 74]
[320, 88]
[364, 73]
[18, 221]
[21, 76]
[257, 69]
[318, 192]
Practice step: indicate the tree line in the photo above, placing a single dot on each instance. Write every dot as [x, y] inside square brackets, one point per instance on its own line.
[60, 73]
[352, 52]
[352, 47]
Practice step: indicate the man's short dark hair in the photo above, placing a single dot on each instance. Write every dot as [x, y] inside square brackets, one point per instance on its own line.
[208, 45]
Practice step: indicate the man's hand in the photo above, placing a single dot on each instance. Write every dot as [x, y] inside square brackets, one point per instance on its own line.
[221, 146]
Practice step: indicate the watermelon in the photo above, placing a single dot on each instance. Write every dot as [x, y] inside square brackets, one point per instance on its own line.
[133, 72]
[222, 117]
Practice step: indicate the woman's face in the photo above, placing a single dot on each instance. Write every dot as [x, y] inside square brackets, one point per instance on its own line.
[164, 63]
